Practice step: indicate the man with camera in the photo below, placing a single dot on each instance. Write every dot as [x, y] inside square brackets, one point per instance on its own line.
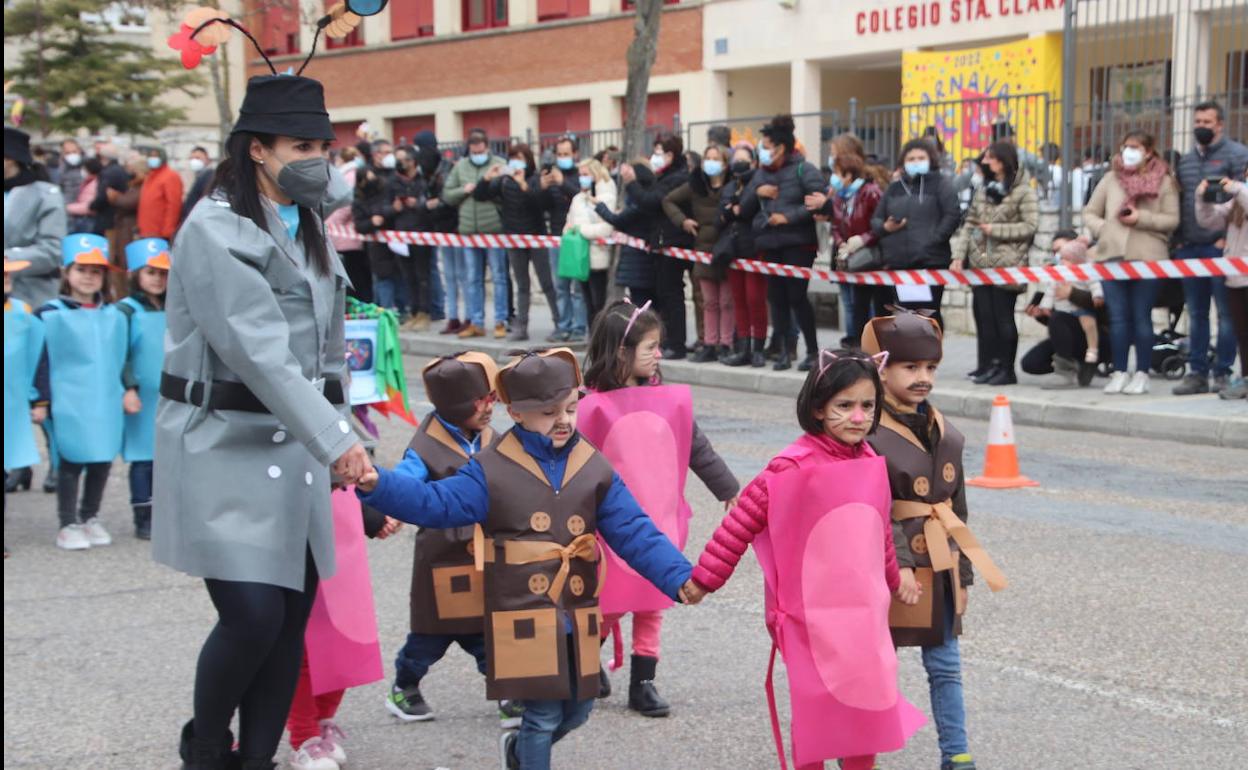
[1214, 157]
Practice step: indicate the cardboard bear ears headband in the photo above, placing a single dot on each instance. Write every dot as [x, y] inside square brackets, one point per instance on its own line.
[203, 29]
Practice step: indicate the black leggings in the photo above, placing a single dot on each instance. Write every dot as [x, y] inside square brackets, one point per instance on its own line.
[250, 662]
[415, 271]
[670, 290]
[993, 307]
[788, 296]
[595, 293]
[68, 508]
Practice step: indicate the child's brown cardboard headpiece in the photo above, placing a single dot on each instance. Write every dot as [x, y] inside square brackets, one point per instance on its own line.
[539, 378]
[906, 335]
[455, 382]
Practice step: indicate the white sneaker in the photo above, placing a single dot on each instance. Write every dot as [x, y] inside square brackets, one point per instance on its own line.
[72, 537]
[96, 532]
[312, 755]
[1138, 385]
[332, 737]
[1117, 381]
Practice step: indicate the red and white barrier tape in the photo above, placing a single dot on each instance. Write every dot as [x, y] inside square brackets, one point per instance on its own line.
[1002, 276]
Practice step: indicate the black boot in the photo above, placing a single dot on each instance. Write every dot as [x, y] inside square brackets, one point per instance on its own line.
[49, 482]
[988, 374]
[604, 683]
[773, 347]
[792, 347]
[143, 521]
[758, 359]
[705, 354]
[199, 754]
[740, 355]
[642, 696]
[783, 361]
[807, 363]
[16, 480]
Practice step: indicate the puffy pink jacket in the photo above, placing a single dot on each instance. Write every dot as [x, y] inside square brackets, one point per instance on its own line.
[743, 523]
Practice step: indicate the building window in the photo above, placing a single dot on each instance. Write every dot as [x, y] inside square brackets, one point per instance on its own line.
[280, 30]
[353, 40]
[410, 19]
[1123, 90]
[484, 14]
[552, 10]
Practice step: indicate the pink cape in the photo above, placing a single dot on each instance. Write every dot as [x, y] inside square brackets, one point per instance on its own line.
[645, 433]
[822, 556]
[341, 639]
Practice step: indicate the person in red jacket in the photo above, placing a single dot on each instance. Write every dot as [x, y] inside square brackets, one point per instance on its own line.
[160, 202]
[818, 515]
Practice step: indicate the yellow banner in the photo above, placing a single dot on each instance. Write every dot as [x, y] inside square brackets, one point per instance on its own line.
[962, 94]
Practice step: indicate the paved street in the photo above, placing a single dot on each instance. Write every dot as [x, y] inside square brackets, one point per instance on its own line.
[1120, 643]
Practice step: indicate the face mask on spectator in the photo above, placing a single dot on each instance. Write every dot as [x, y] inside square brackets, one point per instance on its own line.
[740, 167]
[517, 164]
[764, 156]
[197, 165]
[1203, 135]
[713, 167]
[658, 162]
[586, 181]
[155, 162]
[918, 167]
[564, 164]
[836, 182]
[359, 164]
[1132, 156]
[479, 158]
[73, 158]
[832, 164]
[389, 161]
[977, 181]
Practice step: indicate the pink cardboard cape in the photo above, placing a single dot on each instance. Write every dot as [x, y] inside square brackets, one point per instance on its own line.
[341, 638]
[645, 433]
[823, 562]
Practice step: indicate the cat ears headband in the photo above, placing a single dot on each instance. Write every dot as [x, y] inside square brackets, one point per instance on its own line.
[827, 358]
[633, 318]
[198, 37]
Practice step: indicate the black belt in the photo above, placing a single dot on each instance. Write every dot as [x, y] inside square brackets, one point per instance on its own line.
[228, 396]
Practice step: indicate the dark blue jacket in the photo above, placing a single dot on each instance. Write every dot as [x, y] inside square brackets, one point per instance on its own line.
[463, 500]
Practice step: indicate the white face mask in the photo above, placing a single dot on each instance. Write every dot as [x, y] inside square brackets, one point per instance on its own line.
[1132, 157]
[73, 158]
[389, 162]
[197, 165]
[658, 162]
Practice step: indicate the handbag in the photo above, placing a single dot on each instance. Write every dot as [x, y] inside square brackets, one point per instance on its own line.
[574, 256]
[865, 260]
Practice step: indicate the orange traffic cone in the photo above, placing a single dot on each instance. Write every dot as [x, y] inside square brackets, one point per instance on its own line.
[1001, 458]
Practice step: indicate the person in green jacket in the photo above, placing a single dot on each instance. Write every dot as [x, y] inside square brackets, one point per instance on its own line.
[478, 216]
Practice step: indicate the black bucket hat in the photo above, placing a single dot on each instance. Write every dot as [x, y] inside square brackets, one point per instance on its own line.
[284, 105]
[17, 146]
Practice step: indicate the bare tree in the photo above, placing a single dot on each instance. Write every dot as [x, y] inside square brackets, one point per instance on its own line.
[641, 55]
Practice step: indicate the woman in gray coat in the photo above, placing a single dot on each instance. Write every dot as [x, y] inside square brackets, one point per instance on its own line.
[252, 414]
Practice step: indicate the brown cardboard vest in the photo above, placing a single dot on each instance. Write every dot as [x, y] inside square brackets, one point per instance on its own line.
[447, 591]
[918, 477]
[541, 566]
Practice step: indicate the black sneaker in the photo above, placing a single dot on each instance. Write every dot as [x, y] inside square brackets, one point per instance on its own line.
[604, 683]
[510, 714]
[1192, 384]
[408, 704]
[507, 751]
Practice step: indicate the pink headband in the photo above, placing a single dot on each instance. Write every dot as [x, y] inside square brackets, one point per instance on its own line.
[827, 358]
[633, 318]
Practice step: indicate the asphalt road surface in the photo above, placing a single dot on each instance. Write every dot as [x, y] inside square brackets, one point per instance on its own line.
[1121, 643]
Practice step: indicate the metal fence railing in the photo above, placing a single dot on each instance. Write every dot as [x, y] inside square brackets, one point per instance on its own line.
[593, 142]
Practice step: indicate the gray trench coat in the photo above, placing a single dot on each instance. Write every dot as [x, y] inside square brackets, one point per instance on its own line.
[238, 495]
[34, 224]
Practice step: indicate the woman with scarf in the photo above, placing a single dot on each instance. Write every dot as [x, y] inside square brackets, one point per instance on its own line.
[1132, 213]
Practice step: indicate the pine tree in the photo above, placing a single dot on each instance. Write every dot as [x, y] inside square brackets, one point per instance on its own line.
[90, 79]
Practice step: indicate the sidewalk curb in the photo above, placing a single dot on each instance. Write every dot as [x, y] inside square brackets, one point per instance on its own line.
[955, 400]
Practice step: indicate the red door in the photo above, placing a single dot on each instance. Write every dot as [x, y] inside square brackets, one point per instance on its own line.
[404, 130]
[662, 109]
[563, 118]
[410, 18]
[344, 133]
[495, 123]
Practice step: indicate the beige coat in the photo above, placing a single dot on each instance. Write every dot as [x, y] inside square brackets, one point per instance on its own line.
[1149, 239]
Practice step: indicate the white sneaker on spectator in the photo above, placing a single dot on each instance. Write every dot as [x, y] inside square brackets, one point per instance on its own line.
[72, 538]
[1138, 385]
[1117, 381]
[96, 532]
[312, 755]
[332, 737]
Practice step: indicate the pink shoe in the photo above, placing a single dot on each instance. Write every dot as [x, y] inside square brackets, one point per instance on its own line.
[332, 737]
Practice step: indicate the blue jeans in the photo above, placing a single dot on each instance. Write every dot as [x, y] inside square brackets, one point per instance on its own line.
[572, 318]
[437, 294]
[473, 282]
[1196, 294]
[390, 293]
[1130, 305]
[546, 722]
[141, 483]
[453, 273]
[423, 650]
[944, 682]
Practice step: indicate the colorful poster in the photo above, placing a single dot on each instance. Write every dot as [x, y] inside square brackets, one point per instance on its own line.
[361, 337]
[962, 94]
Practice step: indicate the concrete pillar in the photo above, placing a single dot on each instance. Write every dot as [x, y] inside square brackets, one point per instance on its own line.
[523, 118]
[448, 19]
[603, 7]
[716, 97]
[521, 13]
[805, 95]
[1189, 41]
[449, 125]
[377, 27]
[604, 111]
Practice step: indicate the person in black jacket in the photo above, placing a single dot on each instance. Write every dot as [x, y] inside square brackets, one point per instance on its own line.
[784, 230]
[368, 214]
[518, 191]
[637, 268]
[736, 241]
[406, 195]
[671, 171]
[559, 186]
[915, 221]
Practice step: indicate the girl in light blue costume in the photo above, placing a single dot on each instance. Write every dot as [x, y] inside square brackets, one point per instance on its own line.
[84, 379]
[148, 261]
[23, 341]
